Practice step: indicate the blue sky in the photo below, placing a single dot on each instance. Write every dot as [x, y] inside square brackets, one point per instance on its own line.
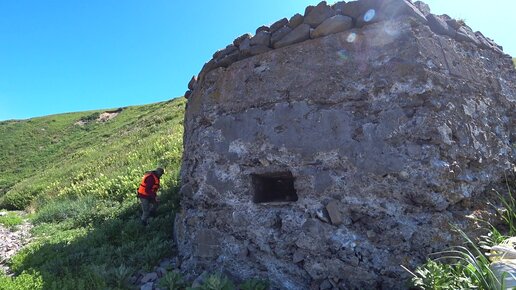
[61, 56]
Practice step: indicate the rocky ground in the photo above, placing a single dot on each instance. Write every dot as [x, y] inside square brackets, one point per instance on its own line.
[150, 280]
[11, 241]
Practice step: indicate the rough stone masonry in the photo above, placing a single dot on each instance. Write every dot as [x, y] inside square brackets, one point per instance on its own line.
[332, 147]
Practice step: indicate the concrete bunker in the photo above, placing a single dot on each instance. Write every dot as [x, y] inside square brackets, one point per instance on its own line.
[388, 128]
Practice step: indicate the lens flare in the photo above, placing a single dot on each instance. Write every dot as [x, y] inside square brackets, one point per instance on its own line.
[369, 15]
[342, 54]
[351, 37]
[391, 28]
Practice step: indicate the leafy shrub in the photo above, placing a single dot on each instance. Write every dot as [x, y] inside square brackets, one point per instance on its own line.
[118, 276]
[172, 281]
[60, 209]
[216, 282]
[90, 118]
[254, 284]
[468, 267]
[11, 220]
[436, 275]
[24, 281]
[18, 200]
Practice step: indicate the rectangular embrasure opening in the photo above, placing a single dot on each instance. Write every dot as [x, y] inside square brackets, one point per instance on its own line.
[274, 187]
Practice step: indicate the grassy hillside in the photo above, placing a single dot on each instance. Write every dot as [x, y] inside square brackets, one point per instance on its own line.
[514, 61]
[54, 155]
[80, 181]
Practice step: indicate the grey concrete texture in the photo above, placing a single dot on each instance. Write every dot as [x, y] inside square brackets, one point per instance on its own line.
[362, 12]
[391, 133]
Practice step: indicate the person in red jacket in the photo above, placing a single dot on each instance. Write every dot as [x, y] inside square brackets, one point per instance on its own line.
[147, 192]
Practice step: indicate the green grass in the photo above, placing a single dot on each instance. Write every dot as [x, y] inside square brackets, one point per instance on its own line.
[468, 266]
[51, 156]
[80, 182]
[11, 220]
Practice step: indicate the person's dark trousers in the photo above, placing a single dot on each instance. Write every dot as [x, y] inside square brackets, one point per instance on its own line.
[148, 208]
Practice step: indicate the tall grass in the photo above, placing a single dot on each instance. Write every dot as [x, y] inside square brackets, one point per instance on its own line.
[11, 220]
[461, 267]
[45, 157]
[81, 181]
[469, 266]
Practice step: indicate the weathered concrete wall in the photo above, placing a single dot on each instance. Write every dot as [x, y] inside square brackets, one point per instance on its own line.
[321, 20]
[390, 131]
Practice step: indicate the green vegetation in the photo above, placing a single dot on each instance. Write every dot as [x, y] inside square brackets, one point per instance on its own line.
[54, 156]
[24, 281]
[216, 282]
[468, 266]
[79, 177]
[172, 280]
[254, 284]
[11, 220]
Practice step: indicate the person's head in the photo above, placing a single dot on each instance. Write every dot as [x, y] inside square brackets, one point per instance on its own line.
[159, 171]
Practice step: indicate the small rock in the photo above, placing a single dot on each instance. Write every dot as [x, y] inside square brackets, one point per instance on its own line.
[224, 52]
[165, 263]
[240, 39]
[465, 33]
[423, 7]
[133, 279]
[147, 286]
[484, 43]
[261, 38]
[255, 50]
[192, 82]
[335, 24]
[318, 14]
[295, 21]
[262, 28]
[338, 7]
[453, 23]
[325, 285]
[149, 277]
[228, 59]
[161, 272]
[334, 213]
[439, 25]
[245, 46]
[322, 215]
[392, 8]
[403, 175]
[278, 24]
[188, 94]
[298, 257]
[278, 35]
[299, 34]
[244, 252]
[309, 9]
[175, 263]
[169, 264]
[354, 9]
[200, 279]
[2, 213]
